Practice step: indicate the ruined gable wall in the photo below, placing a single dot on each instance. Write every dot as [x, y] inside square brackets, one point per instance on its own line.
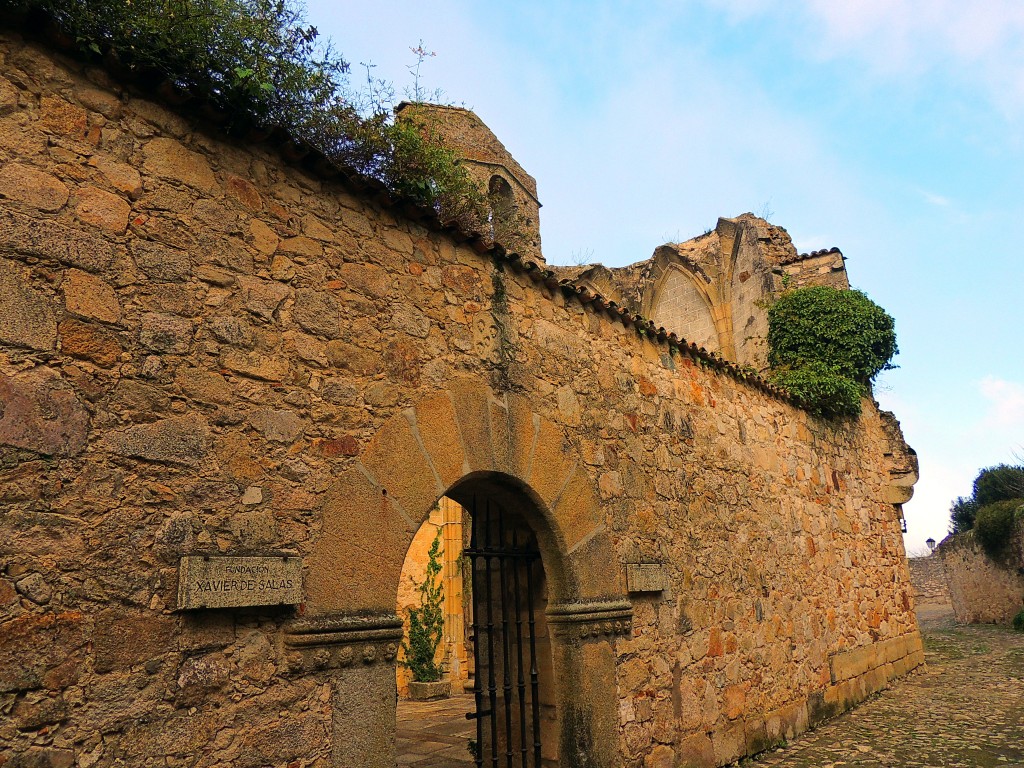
[198, 345]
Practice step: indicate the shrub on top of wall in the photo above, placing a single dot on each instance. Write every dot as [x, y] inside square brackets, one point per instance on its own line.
[995, 522]
[826, 346]
[263, 67]
[1002, 482]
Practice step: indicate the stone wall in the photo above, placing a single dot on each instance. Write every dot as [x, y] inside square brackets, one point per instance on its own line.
[205, 350]
[984, 590]
[928, 575]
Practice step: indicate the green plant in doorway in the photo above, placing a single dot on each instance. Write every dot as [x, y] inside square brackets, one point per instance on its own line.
[426, 623]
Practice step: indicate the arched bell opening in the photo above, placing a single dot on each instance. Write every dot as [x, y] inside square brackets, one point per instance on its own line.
[502, 203]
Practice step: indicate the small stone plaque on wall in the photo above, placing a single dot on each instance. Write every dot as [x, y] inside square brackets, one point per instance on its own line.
[238, 582]
[646, 577]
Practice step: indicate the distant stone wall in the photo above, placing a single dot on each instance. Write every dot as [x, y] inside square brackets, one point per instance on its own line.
[827, 267]
[206, 350]
[983, 590]
[928, 575]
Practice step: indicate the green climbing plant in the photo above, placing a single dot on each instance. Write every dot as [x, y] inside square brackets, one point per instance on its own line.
[826, 346]
[426, 623]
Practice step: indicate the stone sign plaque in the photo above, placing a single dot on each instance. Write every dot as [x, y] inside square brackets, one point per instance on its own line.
[645, 577]
[237, 582]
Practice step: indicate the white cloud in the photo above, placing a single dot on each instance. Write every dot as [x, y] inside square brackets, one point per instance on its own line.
[936, 200]
[1006, 403]
[977, 43]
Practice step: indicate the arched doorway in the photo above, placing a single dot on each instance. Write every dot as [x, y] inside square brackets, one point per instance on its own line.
[495, 703]
[469, 444]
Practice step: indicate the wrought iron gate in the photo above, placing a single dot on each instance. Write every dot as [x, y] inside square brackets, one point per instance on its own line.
[503, 557]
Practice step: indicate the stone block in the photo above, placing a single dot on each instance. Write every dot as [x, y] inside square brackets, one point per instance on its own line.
[301, 246]
[203, 386]
[348, 357]
[577, 513]
[90, 297]
[121, 176]
[35, 644]
[471, 401]
[439, 431]
[176, 440]
[357, 558]
[318, 312]
[398, 464]
[47, 240]
[124, 638]
[102, 209]
[62, 117]
[36, 711]
[88, 341]
[35, 588]
[27, 317]
[264, 239]
[244, 192]
[33, 187]
[553, 462]
[160, 262]
[236, 457]
[233, 582]
[915, 643]
[855, 663]
[756, 735]
[263, 298]
[367, 279]
[169, 159]
[256, 366]
[646, 577]
[40, 412]
[44, 757]
[697, 751]
[8, 97]
[165, 333]
[729, 743]
[279, 426]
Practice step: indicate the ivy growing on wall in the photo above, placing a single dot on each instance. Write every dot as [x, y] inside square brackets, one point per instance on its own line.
[825, 346]
[261, 65]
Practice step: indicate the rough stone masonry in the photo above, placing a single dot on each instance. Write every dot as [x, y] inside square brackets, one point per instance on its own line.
[207, 350]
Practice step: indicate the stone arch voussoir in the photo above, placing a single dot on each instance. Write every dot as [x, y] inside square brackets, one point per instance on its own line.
[371, 513]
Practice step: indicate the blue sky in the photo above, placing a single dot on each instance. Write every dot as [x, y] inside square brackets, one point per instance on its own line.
[893, 129]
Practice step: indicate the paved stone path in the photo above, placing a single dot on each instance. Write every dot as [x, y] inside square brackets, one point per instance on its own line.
[966, 709]
[435, 734]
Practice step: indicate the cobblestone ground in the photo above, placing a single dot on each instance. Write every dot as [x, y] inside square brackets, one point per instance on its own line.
[966, 708]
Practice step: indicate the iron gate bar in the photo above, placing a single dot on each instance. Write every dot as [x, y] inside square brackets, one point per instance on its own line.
[509, 555]
[521, 681]
[506, 682]
[534, 678]
[478, 692]
[492, 692]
